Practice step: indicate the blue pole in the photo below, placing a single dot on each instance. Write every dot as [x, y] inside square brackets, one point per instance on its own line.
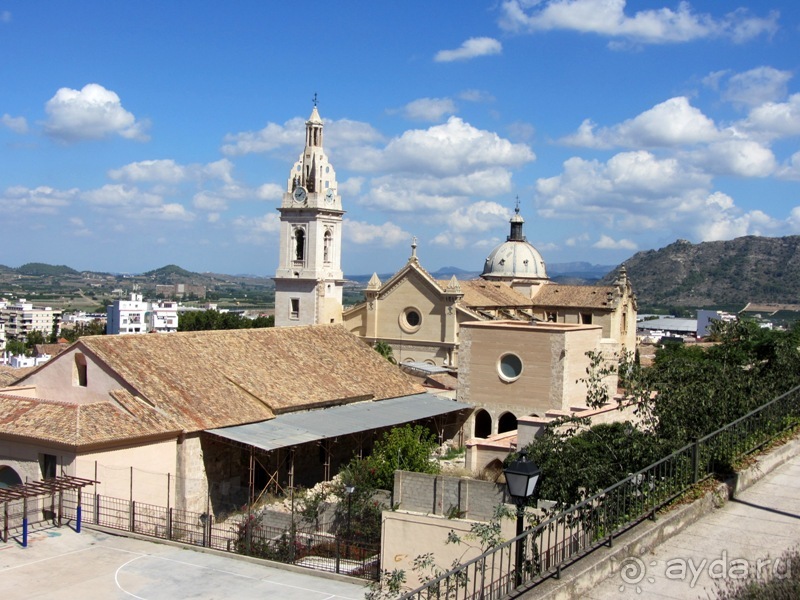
[24, 532]
[78, 521]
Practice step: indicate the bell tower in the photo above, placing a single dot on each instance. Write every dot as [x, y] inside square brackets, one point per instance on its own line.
[309, 278]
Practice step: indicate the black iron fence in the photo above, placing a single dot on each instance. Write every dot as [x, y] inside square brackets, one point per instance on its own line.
[570, 535]
[245, 534]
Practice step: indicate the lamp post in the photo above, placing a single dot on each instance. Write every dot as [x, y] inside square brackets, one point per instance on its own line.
[521, 478]
[349, 489]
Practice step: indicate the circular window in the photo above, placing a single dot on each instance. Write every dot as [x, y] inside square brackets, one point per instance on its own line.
[410, 320]
[509, 367]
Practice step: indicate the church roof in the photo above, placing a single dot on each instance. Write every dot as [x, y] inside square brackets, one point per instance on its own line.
[585, 296]
[201, 380]
[482, 293]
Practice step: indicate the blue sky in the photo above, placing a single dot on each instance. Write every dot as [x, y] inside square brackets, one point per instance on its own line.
[134, 135]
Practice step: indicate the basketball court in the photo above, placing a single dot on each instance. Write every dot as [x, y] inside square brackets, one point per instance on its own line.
[95, 565]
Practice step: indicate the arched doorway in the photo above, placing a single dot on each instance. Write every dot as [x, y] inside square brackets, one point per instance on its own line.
[507, 422]
[483, 424]
[8, 477]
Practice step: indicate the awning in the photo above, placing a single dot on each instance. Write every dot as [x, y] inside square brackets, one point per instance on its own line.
[310, 426]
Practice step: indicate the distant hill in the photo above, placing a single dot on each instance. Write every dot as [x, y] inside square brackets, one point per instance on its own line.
[42, 269]
[717, 274]
[170, 272]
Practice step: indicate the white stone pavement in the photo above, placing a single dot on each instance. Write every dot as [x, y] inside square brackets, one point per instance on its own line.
[60, 564]
[758, 525]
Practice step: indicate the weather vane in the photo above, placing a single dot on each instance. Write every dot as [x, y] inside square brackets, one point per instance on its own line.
[315, 98]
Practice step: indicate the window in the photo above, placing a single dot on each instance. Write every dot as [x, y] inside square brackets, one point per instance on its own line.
[79, 377]
[299, 244]
[410, 320]
[509, 367]
[294, 308]
[48, 463]
[586, 318]
[326, 247]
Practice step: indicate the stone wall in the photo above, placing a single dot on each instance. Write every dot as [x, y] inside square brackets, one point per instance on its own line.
[447, 496]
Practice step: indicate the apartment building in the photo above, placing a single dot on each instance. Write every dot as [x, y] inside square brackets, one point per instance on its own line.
[22, 318]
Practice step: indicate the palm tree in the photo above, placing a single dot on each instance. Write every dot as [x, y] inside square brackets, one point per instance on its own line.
[385, 350]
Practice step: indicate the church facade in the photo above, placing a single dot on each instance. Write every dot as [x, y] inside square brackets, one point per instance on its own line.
[309, 279]
[421, 317]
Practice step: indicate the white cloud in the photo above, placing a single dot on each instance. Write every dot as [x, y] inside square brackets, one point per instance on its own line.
[476, 96]
[209, 201]
[471, 48]
[165, 171]
[15, 124]
[757, 86]
[745, 158]
[89, 114]
[5, 16]
[632, 191]
[450, 148]
[654, 26]
[269, 138]
[119, 195]
[774, 120]
[258, 230]
[429, 109]
[387, 234]
[672, 123]
[166, 212]
[291, 134]
[608, 243]
[42, 199]
[791, 169]
[479, 216]
[269, 191]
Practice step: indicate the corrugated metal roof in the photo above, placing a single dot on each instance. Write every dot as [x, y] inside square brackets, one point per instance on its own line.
[314, 425]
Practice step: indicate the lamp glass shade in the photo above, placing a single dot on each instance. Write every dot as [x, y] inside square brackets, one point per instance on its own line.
[521, 478]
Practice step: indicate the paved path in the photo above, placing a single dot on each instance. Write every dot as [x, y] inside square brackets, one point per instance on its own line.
[92, 565]
[752, 531]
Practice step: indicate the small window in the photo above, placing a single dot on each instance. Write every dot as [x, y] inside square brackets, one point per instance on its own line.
[410, 320]
[48, 464]
[294, 308]
[509, 367]
[586, 318]
[80, 378]
[300, 244]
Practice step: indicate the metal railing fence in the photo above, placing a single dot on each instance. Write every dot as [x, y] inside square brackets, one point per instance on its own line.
[242, 535]
[570, 535]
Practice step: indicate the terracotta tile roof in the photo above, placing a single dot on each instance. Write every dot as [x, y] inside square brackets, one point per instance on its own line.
[481, 293]
[79, 424]
[51, 349]
[210, 379]
[589, 296]
[9, 375]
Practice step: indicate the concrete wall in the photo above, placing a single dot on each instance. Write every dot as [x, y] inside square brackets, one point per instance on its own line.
[24, 459]
[553, 358]
[442, 495]
[408, 535]
[59, 380]
[136, 471]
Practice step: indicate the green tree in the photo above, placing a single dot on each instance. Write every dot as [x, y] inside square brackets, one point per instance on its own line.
[385, 350]
[406, 448]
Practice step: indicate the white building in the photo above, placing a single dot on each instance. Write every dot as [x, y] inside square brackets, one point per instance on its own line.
[22, 318]
[309, 279]
[706, 317]
[163, 317]
[127, 316]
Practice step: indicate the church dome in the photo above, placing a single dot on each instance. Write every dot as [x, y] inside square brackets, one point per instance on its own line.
[515, 258]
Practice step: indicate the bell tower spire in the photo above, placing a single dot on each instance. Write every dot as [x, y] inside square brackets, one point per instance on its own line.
[309, 279]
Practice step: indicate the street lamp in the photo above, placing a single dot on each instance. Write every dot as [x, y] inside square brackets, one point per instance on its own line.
[521, 478]
[349, 489]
